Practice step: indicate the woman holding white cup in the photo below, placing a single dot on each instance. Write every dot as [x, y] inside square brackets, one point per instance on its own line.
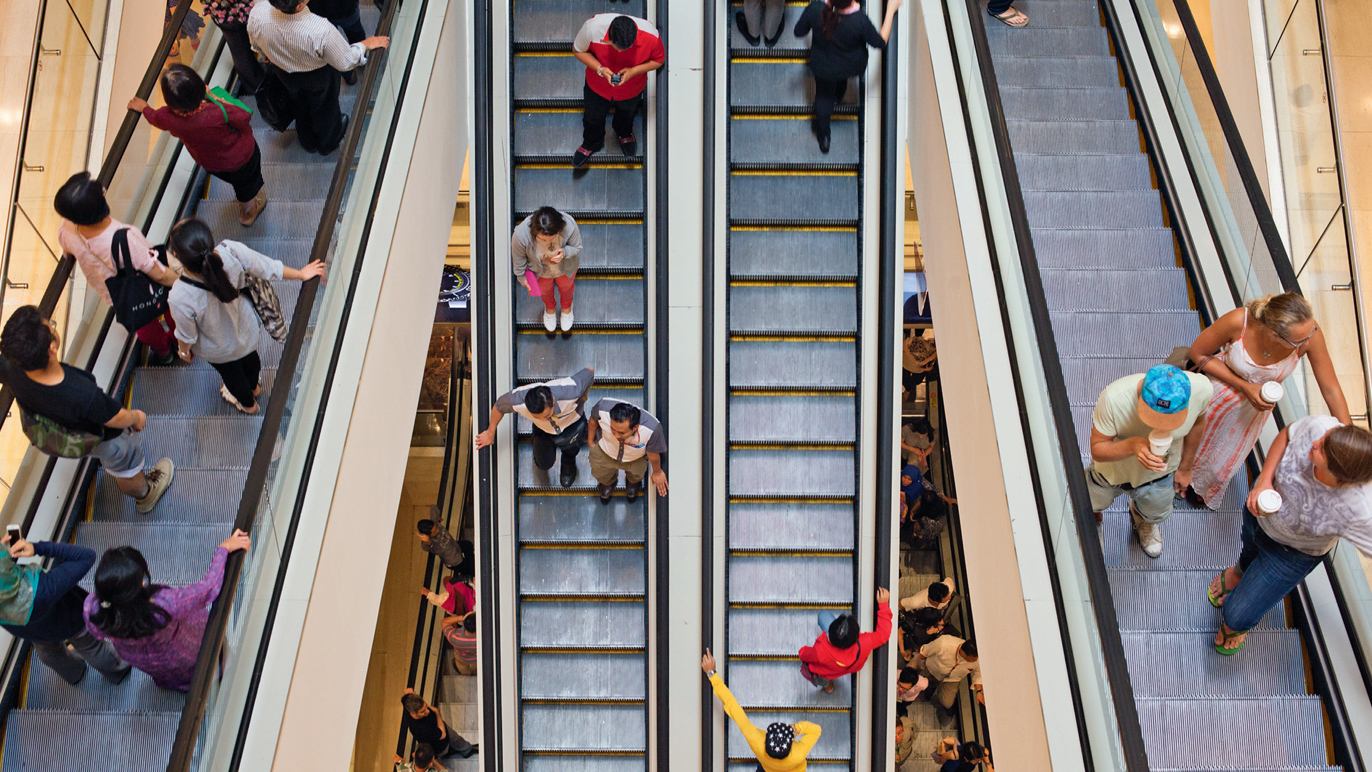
[1247, 362]
[1313, 489]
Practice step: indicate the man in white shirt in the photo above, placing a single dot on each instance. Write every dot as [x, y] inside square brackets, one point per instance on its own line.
[307, 53]
[947, 660]
[624, 436]
[938, 595]
[555, 408]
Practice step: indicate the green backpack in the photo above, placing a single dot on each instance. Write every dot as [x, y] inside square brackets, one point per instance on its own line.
[55, 439]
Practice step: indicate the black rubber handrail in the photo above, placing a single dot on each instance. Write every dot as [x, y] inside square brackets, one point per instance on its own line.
[1088, 531]
[707, 388]
[661, 392]
[206, 667]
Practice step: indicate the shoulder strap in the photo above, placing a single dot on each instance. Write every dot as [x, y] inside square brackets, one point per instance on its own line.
[119, 250]
[216, 103]
[193, 282]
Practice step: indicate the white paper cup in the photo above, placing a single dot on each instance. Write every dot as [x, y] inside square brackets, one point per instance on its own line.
[1159, 442]
[1272, 392]
[1269, 503]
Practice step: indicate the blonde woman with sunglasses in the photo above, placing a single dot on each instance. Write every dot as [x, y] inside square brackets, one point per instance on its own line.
[1240, 352]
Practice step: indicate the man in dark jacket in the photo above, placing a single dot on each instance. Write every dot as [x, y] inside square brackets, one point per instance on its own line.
[434, 539]
[44, 608]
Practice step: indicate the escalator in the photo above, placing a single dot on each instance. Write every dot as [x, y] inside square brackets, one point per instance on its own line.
[582, 567]
[795, 242]
[1119, 284]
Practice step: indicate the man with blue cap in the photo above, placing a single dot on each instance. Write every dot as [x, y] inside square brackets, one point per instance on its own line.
[1134, 430]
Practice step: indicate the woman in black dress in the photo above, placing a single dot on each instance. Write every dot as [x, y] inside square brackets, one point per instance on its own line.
[838, 51]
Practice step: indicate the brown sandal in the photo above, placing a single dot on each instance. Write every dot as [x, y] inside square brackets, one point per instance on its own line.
[1013, 17]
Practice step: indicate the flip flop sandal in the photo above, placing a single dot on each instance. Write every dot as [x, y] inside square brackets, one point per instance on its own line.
[1218, 600]
[1226, 639]
[1013, 18]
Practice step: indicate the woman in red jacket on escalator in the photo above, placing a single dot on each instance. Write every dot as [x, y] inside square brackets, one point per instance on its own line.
[844, 649]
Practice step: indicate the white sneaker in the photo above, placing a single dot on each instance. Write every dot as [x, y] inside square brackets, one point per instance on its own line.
[567, 319]
[550, 321]
[1149, 534]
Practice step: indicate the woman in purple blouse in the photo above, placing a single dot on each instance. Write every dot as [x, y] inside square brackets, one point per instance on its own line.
[156, 629]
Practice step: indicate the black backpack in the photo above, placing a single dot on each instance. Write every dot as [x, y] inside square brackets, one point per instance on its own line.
[138, 300]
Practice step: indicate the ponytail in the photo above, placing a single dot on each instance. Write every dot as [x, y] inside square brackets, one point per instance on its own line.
[193, 244]
[829, 21]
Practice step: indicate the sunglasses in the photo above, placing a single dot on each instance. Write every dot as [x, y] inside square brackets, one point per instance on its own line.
[1297, 343]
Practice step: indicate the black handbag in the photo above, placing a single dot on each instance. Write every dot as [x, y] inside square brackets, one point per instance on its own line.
[273, 102]
[571, 436]
[138, 300]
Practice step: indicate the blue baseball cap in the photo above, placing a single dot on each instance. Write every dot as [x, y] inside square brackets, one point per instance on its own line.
[1163, 398]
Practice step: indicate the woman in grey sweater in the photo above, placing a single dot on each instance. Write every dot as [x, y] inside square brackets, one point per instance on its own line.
[214, 319]
[548, 243]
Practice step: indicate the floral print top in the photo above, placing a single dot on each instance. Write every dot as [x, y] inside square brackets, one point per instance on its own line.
[229, 10]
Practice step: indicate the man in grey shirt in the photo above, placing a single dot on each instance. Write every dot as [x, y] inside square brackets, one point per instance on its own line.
[625, 436]
[435, 540]
[306, 53]
[556, 409]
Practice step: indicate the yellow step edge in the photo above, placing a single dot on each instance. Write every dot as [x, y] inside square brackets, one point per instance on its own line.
[844, 446]
[784, 393]
[633, 331]
[795, 606]
[585, 753]
[580, 599]
[787, 117]
[791, 499]
[544, 54]
[577, 110]
[588, 650]
[555, 546]
[816, 337]
[771, 59]
[793, 173]
[631, 165]
[791, 553]
[780, 228]
[756, 283]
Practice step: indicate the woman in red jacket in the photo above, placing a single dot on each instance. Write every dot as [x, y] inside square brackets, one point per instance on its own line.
[218, 136]
[844, 648]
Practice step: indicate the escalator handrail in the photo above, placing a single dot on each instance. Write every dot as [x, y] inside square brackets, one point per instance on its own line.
[207, 662]
[108, 168]
[1107, 624]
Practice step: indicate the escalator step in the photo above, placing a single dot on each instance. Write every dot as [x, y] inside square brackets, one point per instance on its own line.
[281, 219]
[794, 196]
[579, 518]
[584, 624]
[177, 553]
[294, 252]
[781, 140]
[790, 525]
[789, 471]
[1085, 248]
[1049, 41]
[792, 418]
[1193, 668]
[590, 189]
[788, 579]
[615, 301]
[51, 739]
[1075, 137]
[574, 763]
[1138, 607]
[203, 442]
[583, 728]
[283, 182]
[1192, 540]
[187, 392]
[557, 21]
[779, 684]
[1093, 208]
[557, 132]
[1086, 71]
[1115, 290]
[793, 308]
[1260, 733]
[836, 733]
[589, 676]
[1132, 335]
[777, 83]
[196, 496]
[788, 42]
[572, 572]
[1084, 172]
[617, 247]
[550, 75]
[614, 355]
[279, 147]
[1059, 103]
[774, 632]
[533, 480]
[47, 691]
[793, 252]
[1087, 377]
[792, 364]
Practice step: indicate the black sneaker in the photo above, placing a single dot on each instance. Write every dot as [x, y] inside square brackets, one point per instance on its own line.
[824, 142]
[629, 145]
[742, 22]
[568, 477]
[580, 157]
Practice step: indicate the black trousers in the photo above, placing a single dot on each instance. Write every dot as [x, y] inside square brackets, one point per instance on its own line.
[997, 7]
[240, 376]
[593, 118]
[545, 451]
[246, 179]
[245, 62]
[827, 94]
[318, 119]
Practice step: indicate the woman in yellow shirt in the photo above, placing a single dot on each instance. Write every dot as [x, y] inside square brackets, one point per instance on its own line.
[777, 749]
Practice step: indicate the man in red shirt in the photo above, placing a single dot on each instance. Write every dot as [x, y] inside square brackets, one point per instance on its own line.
[618, 51]
[842, 649]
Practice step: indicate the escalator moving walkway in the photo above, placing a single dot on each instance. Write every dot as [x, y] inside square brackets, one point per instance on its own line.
[582, 566]
[131, 726]
[794, 243]
[1119, 303]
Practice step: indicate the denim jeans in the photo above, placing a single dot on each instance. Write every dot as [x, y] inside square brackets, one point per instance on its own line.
[825, 619]
[1270, 571]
